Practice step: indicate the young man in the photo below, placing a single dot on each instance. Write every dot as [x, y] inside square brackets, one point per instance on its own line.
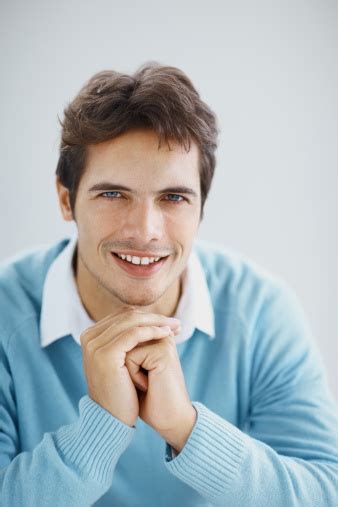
[140, 367]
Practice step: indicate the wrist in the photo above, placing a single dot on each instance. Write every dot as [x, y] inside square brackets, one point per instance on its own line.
[178, 437]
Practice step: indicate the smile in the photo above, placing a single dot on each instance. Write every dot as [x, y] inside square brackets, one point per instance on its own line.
[138, 260]
[140, 267]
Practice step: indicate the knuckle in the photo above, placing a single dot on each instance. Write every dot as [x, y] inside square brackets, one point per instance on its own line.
[130, 362]
[84, 337]
[87, 333]
[90, 346]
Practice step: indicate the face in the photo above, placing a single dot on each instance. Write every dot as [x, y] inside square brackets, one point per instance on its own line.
[137, 200]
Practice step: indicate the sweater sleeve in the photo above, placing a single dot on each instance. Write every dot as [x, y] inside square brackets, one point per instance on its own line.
[287, 452]
[74, 464]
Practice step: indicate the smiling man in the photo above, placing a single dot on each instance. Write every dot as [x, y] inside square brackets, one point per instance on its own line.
[135, 200]
[140, 366]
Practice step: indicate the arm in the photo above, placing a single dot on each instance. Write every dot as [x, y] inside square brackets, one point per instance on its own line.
[288, 454]
[74, 464]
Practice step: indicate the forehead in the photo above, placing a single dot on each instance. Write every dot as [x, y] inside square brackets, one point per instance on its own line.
[136, 153]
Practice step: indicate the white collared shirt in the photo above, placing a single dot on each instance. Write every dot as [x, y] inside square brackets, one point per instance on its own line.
[63, 313]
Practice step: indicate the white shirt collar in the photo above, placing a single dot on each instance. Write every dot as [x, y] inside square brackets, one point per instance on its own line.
[63, 314]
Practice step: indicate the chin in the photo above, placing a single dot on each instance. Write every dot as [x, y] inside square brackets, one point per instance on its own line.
[142, 300]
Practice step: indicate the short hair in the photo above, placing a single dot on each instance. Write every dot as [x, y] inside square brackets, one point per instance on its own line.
[110, 103]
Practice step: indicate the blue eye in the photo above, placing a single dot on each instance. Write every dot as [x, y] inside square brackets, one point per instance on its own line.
[180, 197]
[114, 194]
[109, 192]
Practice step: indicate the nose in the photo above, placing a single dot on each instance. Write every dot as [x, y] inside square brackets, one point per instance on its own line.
[143, 223]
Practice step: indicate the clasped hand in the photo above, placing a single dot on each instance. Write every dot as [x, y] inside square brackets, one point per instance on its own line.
[133, 370]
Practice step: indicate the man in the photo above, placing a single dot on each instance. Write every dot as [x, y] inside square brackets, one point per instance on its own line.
[140, 367]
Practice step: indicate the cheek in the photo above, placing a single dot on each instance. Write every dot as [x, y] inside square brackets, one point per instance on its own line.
[182, 230]
[92, 232]
[182, 215]
[100, 219]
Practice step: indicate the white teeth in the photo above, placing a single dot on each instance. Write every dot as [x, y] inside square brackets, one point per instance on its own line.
[146, 260]
[138, 260]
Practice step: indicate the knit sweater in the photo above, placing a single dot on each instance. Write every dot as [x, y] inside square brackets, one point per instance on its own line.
[266, 432]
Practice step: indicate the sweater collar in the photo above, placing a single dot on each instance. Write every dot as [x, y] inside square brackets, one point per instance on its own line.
[63, 313]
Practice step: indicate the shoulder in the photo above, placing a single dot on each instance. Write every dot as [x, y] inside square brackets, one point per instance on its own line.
[268, 308]
[22, 279]
[237, 283]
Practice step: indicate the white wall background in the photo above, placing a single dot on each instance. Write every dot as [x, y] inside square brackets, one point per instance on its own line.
[269, 70]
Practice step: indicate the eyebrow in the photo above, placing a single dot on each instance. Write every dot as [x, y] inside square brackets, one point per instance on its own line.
[108, 185]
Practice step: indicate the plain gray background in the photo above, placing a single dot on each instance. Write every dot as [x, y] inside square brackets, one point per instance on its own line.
[268, 69]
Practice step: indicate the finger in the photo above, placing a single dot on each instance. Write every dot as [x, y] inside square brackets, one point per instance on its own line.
[139, 378]
[175, 332]
[126, 322]
[101, 325]
[145, 358]
[120, 313]
[127, 340]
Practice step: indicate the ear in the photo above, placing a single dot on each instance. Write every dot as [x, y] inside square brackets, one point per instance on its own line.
[64, 201]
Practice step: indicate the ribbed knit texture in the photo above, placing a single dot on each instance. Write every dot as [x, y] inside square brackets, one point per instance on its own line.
[213, 443]
[266, 432]
[96, 442]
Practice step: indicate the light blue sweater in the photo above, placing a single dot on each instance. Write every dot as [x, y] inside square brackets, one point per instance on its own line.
[267, 427]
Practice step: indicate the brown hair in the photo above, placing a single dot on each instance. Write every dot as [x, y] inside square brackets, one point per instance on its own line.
[158, 97]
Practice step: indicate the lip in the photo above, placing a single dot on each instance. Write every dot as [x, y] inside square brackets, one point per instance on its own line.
[139, 270]
[139, 254]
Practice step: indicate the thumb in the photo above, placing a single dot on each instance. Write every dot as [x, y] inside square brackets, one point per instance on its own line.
[139, 378]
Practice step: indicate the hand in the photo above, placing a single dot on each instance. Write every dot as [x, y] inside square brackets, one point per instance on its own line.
[164, 401]
[104, 349]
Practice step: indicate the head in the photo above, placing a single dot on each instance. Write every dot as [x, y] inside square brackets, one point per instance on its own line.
[137, 157]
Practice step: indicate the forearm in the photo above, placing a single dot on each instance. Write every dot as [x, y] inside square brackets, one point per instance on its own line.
[74, 464]
[228, 467]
